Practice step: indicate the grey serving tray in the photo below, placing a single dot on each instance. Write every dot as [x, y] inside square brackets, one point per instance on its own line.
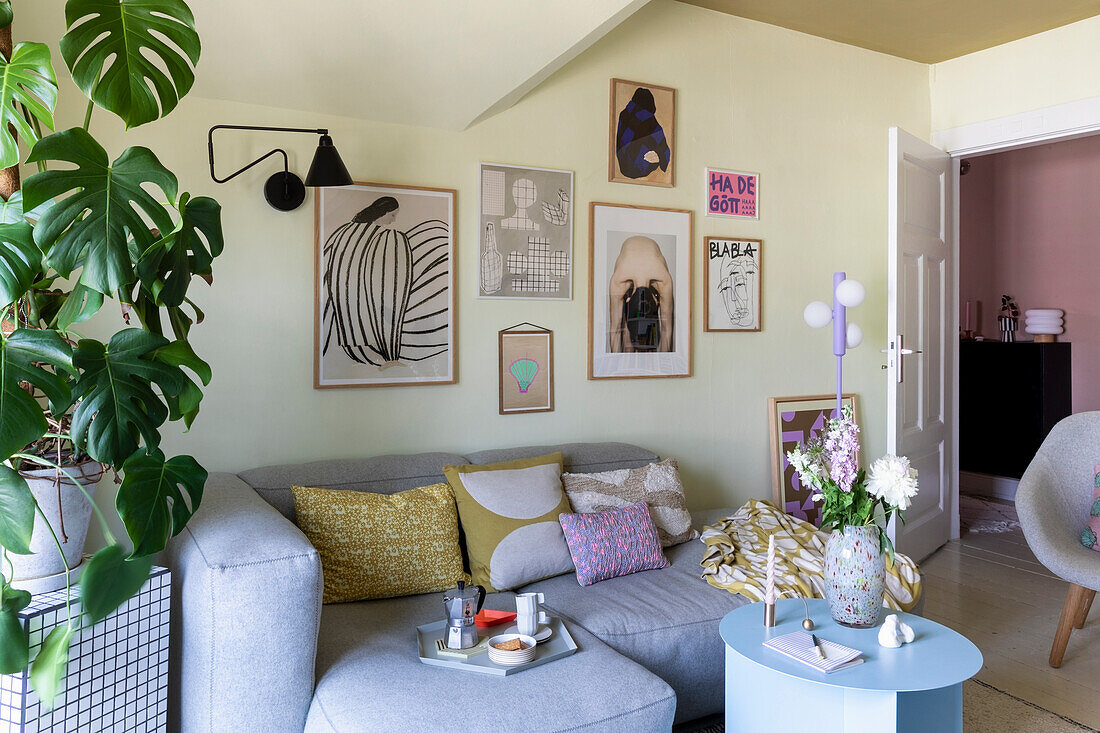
[560, 644]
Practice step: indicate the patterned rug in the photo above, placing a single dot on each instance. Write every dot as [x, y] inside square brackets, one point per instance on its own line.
[985, 708]
[979, 514]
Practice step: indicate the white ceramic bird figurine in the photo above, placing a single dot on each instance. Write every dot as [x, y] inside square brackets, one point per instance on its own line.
[894, 632]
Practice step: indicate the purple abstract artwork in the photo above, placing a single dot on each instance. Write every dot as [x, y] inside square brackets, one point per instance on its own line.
[798, 426]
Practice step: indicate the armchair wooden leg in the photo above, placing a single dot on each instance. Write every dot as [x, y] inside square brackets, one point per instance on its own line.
[1086, 604]
[1076, 599]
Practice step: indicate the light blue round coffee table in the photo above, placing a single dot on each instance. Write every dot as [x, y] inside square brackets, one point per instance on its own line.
[915, 688]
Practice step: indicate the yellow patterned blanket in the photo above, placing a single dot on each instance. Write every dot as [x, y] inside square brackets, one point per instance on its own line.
[737, 554]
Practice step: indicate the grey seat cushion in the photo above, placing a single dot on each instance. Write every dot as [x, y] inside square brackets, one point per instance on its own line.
[369, 678]
[576, 457]
[381, 475]
[666, 620]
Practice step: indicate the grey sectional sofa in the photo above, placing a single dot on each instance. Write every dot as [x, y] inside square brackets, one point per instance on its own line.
[254, 649]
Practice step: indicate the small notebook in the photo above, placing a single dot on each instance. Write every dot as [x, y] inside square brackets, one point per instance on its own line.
[799, 645]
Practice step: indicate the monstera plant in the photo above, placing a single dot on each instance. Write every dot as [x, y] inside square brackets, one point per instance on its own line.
[84, 230]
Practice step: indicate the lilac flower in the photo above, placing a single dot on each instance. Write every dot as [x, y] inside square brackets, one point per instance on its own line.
[842, 449]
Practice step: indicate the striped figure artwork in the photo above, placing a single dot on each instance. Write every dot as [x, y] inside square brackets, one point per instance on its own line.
[385, 295]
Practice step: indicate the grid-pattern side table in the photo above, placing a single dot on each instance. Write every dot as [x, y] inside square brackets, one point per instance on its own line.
[117, 678]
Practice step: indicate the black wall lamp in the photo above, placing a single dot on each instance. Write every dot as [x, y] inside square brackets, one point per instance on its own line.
[285, 191]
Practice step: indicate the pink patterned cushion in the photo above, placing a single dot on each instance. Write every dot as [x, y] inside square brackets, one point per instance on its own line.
[1091, 531]
[614, 542]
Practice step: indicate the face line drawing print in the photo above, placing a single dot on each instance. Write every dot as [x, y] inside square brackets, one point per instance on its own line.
[738, 289]
[641, 305]
[381, 283]
[524, 195]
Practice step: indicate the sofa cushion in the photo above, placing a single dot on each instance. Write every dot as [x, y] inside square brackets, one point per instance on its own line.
[382, 545]
[613, 543]
[576, 457]
[381, 475]
[509, 514]
[369, 677]
[666, 620]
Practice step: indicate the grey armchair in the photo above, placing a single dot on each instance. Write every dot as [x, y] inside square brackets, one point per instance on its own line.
[1053, 502]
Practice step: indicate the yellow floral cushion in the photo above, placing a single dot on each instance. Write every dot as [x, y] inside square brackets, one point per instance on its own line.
[382, 545]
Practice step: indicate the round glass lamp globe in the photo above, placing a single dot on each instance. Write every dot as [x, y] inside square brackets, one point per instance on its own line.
[817, 314]
[854, 337]
[850, 293]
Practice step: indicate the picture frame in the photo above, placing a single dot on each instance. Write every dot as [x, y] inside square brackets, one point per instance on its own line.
[639, 331]
[526, 371]
[369, 335]
[732, 280]
[793, 420]
[642, 134]
[731, 194]
[525, 237]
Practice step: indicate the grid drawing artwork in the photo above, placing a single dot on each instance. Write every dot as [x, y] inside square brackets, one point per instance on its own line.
[492, 193]
[117, 678]
[526, 251]
[542, 269]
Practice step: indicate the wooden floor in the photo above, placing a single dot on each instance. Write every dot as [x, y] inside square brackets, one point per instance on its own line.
[990, 588]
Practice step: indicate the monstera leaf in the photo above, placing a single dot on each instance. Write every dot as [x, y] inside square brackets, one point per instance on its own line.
[27, 81]
[167, 267]
[185, 405]
[14, 650]
[117, 402]
[131, 34]
[92, 225]
[20, 356]
[20, 261]
[16, 513]
[5, 20]
[49, 666]
[157, 498]
[12, 212]
[110, 580]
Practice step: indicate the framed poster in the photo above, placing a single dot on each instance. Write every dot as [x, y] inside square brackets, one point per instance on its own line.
[641, 138]
[794, 420]
[731, 274]
[384, 305]
[639, 292]
[526, 371]
[526, 233]
[733, 194]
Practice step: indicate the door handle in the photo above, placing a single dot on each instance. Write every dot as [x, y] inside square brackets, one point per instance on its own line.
[897, 351]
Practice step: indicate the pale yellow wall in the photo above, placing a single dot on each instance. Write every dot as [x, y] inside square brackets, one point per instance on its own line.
[1043, 70]
[810, 115]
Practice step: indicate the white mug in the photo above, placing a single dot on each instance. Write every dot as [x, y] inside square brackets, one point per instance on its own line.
[528, 603]
[528, 623]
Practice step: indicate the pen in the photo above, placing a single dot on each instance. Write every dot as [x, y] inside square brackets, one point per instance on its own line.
[817, 646]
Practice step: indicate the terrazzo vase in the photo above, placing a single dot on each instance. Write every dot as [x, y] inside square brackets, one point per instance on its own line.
[855, 576]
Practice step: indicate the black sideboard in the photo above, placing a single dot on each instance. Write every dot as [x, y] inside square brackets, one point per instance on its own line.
[1010, 396]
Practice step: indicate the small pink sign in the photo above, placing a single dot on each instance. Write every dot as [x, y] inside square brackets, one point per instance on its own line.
[732, 193]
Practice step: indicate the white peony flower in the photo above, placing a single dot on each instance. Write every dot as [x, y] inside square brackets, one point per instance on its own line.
[892, 480]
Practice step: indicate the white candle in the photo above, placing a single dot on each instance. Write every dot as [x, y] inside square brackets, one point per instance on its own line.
[769, 582]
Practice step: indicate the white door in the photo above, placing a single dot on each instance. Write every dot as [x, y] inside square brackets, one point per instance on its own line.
[922, 342]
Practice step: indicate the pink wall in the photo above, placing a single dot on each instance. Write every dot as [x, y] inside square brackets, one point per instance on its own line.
[1030, 227]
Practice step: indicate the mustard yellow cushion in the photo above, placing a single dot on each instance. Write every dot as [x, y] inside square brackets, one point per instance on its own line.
[509, 512]
[382, 545]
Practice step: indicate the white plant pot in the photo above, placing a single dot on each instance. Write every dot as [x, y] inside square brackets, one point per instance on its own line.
[76, 510]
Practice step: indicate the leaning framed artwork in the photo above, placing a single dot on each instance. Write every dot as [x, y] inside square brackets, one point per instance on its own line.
[794, 420]
[384, 305]
[526, 233]
[639, 292]
[641, 138]
[732, 278]
[526, 370]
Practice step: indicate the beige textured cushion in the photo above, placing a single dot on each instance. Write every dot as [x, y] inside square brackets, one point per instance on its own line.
[509, 512]
[657, 484]
[382, 545]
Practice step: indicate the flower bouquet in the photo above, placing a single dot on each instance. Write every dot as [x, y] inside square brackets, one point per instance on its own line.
[856, 505]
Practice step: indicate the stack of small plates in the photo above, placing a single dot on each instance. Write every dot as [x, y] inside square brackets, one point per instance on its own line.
[511, 659]
[1043, 321]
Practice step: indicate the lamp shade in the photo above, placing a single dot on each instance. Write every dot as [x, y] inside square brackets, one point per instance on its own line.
[327, 169]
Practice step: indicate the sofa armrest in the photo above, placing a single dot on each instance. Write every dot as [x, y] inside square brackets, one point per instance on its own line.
[245, 613]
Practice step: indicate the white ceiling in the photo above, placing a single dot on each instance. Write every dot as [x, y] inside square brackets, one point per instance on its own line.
[435, 63]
